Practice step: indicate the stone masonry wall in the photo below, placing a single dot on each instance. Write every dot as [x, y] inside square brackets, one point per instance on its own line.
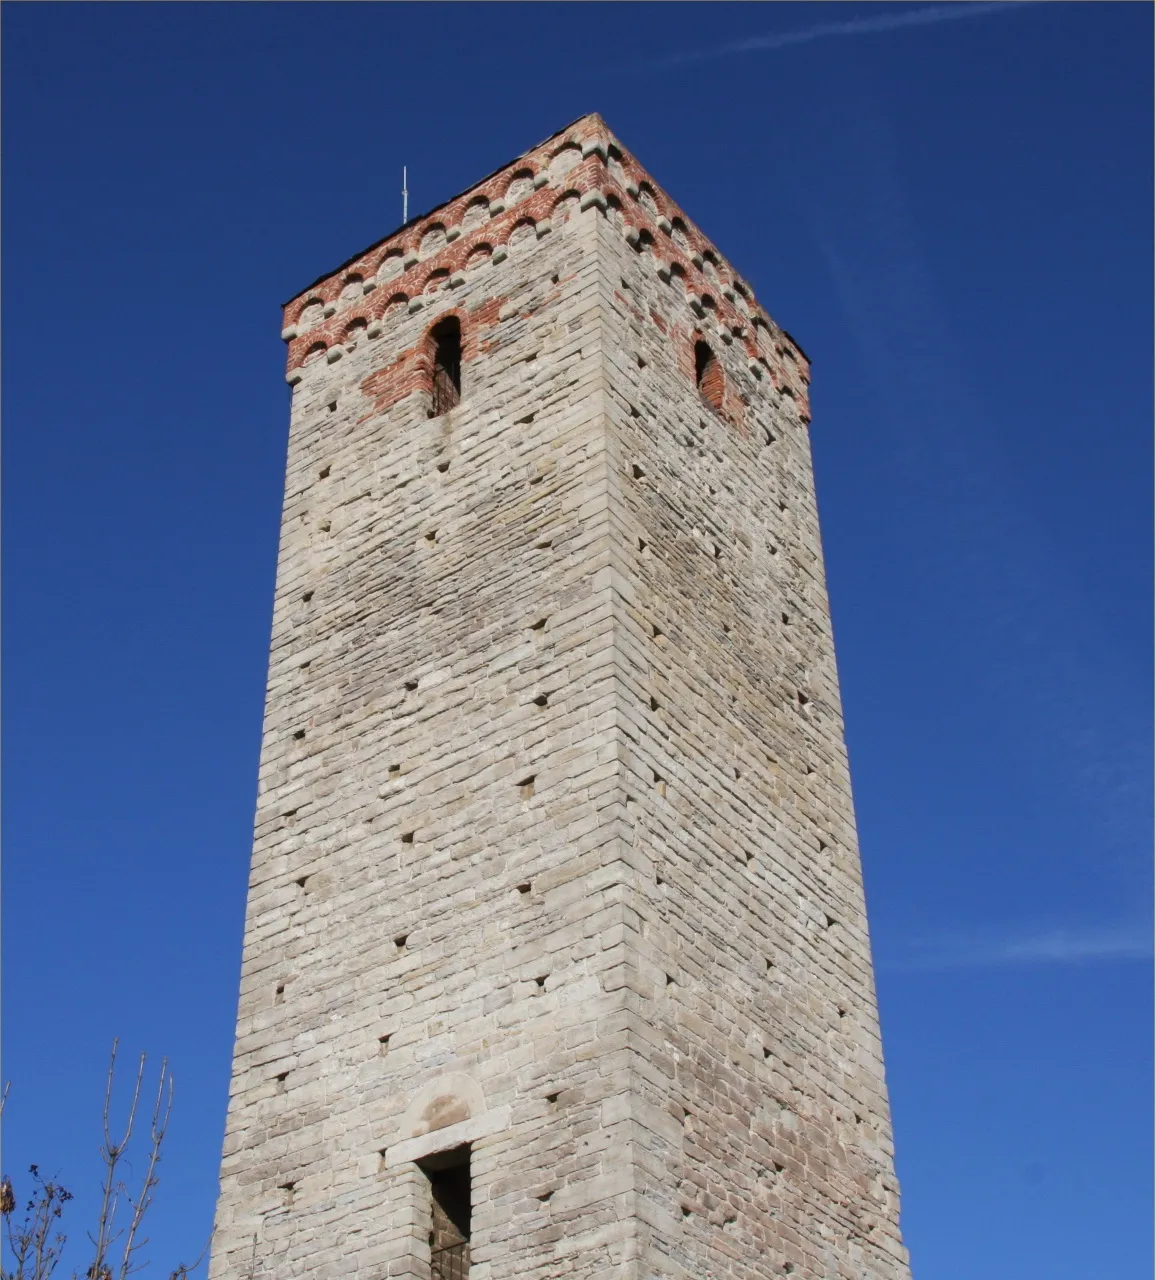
[554, 849]
[757, 1055]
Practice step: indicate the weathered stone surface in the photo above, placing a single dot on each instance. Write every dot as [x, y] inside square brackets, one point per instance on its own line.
[555, 850]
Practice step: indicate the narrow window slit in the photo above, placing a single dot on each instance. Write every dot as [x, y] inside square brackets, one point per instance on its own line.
[708, 376]
[323, 474]
[383, 1045]
[525, 786]
[639, 473]
[401, 940]
[407, 837]
[446, 337]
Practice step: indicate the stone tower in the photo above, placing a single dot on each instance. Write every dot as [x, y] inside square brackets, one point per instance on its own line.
[556, 960]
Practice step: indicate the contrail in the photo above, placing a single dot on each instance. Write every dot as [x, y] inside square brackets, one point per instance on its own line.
[1059, 947]
[826, 30]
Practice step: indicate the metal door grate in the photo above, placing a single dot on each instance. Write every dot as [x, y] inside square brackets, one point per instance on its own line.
[450, 1263]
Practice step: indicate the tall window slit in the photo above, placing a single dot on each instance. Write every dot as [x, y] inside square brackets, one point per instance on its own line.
[708, 375]
[446, 337]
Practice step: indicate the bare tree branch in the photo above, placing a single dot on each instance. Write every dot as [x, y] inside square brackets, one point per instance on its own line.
[161, 1111]
[35, 1243]
[110, 1153]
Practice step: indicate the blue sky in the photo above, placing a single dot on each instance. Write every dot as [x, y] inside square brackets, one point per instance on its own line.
[951, 211]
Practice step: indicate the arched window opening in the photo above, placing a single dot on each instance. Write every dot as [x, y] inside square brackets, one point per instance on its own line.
[446, 337]
[708, 375]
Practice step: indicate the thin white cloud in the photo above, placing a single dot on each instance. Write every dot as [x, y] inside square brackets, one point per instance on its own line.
[1058, 946]
[892, 21]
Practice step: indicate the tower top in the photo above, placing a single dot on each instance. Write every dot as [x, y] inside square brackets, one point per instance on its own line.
[583, 163]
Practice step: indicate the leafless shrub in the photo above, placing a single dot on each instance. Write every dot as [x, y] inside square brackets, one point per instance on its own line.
[35, 1243]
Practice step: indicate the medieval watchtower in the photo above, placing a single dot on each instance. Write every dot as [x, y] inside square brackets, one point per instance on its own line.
[556, 960]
